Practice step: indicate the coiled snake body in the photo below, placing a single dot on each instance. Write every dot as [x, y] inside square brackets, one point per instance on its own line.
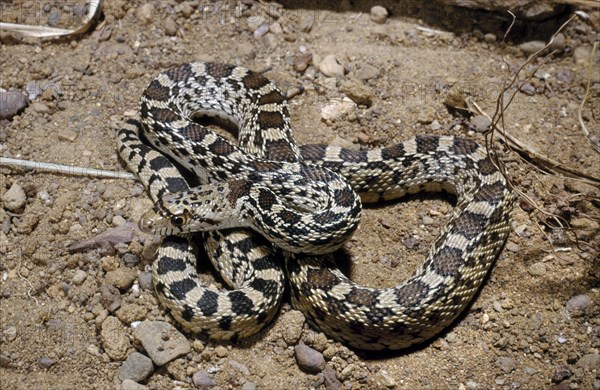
[303, 199]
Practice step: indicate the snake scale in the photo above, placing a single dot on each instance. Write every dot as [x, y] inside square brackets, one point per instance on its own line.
[270, 211]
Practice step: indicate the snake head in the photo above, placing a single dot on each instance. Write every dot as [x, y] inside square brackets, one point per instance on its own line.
[163, 224]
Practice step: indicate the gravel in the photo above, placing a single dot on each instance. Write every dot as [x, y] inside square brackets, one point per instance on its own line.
[162, 341]
[292, 323]
[145, 280]
[79, 277]
[506, 364]
[579, 303]
[309, 359]
[561, 373]
[136, 367]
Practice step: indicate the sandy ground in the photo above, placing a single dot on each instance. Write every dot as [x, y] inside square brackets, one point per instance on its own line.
[535, 323]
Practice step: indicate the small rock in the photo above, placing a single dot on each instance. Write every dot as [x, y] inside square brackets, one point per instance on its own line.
[561, 373]
[128, 384]
[471, 385]
[480, 123]
[292, 323]
[427, 220]
[263, 29]
[110, 298]
[46, 362]
[489, 38]
[67, 135]
[130, 259]
[330, 378]
[249, 386]
[147, 13]
[239, 367]
[560, 386]
[136, 367]
[131, 312]
[114, 338]
[79, 277]
[221, 351]
[531, 47]
[307, 23]
[170, 27]
[512, 247]
[302, 61]
[589, 362]
[579, 303]
[537, 269]
[4, 360]
[40, 108]
[358, 92]
[14, 199]
[506, 364]
[145, 280]
[379, 14]
[202, 380]
[330, 67]
[122, 278]
[367, 72]
[309, 359]
[118, 220]
[582, 54]
[384, 379]
[162, 341]
[559, 43]
[336, 109]
[12, 103]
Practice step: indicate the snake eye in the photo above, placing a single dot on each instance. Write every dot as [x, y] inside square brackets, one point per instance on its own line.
[177, 220]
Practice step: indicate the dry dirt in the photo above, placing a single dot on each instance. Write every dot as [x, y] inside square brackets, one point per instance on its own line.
[519, 333]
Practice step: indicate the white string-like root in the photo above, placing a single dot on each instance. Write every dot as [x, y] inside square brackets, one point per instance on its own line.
[65, 169]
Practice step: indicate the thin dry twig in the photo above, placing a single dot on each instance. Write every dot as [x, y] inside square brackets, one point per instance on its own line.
[592, 138]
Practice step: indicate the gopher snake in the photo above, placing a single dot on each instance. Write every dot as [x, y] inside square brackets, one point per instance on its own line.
[268, 160]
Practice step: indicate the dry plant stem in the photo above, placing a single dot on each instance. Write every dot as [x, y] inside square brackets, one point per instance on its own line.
[592, 138]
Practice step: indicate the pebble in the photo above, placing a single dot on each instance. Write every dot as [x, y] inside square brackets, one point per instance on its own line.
[131, 312]
[249, 386]
[122, 278]
[170, 27]
[145, 280]
[330, 67]
[489, 38]
[162, 341]
[79, 277]
[147, 13]
[480, 123]
[531, 46]
[40, 108]
[292, 323]
[330, 378]
[221, 351]
[110, 298]
[384, 379]
[537, 269]
[358, 92]
[368, 72]
[427, 220]
[239, 367]
[561, 373]
[4, 360]
[136, 367]
[307, 23]
[114, 338]
[46, 362]
[559, 43]
[128, 384]
[506, 364]
[579, 303]
[336, 109]
[379, 14]
[67, 135]
[118, 220]
[589, 362]
[472, 385]
[130, 259]
[13, 103]
[512, 247]
[582, 54]
[309, 359]
[302, 61]
[14, 199]
[202, 380]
